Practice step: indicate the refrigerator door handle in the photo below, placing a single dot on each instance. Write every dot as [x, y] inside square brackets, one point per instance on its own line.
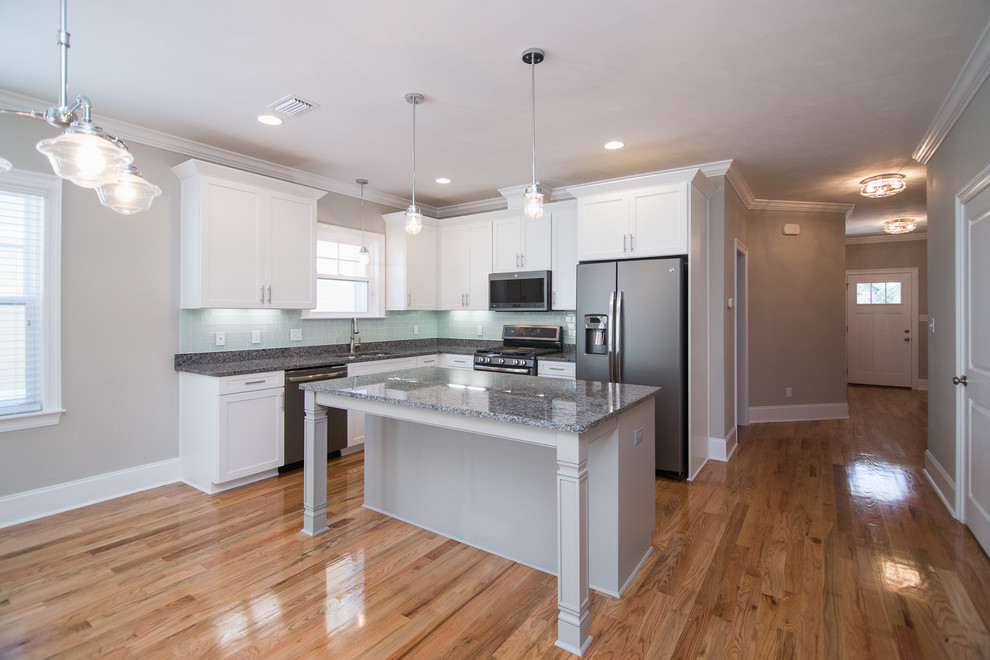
[611, 336]
[618, 338]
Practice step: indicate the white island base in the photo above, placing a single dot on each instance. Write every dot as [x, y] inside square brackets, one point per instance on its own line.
[578, 505]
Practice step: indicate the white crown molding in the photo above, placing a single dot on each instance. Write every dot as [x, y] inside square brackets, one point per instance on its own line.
[812, 207]
[973, 74]
[887, 238]
[152, 138]
[470, 208]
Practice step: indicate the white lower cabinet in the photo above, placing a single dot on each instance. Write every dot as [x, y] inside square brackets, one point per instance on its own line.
[549, 369]
[355, 420]
[428, 360]
[230, 429]
[456, 361]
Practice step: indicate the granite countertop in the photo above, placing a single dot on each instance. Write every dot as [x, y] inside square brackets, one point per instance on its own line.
[562, 405]
[238, 363]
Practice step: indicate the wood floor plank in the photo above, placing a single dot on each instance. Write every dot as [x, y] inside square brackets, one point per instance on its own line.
[818, 540]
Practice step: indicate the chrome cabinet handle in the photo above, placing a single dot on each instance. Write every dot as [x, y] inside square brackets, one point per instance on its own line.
[467, 297]
[254, 382]
[625, 237]
[262, 301]
[632, 245]
[960, 380]
[522, 260]
[269, 294]
[408, 301]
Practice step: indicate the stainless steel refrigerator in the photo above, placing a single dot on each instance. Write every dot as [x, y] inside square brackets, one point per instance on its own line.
[632, 328]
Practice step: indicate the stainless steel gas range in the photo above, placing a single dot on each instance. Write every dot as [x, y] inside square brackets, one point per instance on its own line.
[521, 345]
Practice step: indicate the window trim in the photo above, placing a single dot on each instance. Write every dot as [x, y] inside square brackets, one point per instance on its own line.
[50, 186]
[375, 242]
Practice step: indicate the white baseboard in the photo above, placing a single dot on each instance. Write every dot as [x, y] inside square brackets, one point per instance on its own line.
[41, 502]
[799, 413]
[922, 384]
[722, 449]
[944, 485]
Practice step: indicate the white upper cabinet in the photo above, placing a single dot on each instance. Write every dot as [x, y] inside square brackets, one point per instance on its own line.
[247, 241]
[519, 243]
[465, 263]
[411, 273]
[644, 216]
[563, 260]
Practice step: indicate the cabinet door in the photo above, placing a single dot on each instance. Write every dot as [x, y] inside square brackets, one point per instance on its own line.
[507, 245]
[290, 242]
[251, 433]
[455, 266]
[658, 223]
[536, 243]
[421, 269]
[564, 260]
[231, 259]
[479, 265]
[602, 227]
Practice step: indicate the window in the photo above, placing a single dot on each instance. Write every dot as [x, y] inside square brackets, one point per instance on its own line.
[30, 255]
[344, 286]
[878, 293]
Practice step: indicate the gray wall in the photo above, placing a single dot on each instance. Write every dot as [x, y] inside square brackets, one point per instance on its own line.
[899, 254]
[119, 329]
[727, 222]
[796, 308]
[963, 154]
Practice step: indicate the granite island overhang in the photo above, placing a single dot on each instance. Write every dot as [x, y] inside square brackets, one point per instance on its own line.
[551, 473]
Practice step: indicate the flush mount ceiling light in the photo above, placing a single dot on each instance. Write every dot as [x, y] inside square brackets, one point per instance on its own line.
[130, 194]
[414, 218]
[614, 144]
[443, 180]
[84, 153]
[900, 226]
[5, 165]
[270, 120]
[882, 185]
[364, 257]
[533, 197]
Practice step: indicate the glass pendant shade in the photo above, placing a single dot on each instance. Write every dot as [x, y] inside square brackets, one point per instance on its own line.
[364, 257]
[533, 201]
[414, 220]
[5, 165]
[130, 194]
[85, 159]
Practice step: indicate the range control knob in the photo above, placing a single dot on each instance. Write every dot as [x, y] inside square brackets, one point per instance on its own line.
[501, 361]
[520, 361]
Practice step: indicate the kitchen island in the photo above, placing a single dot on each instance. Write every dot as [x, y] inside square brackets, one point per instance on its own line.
[554, 474]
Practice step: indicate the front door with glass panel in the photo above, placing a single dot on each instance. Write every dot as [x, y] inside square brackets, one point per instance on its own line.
[880, 329]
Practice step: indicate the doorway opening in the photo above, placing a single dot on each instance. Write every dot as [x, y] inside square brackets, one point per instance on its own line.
[741, 332]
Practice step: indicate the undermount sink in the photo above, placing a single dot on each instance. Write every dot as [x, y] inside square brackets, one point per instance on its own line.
[354, 356]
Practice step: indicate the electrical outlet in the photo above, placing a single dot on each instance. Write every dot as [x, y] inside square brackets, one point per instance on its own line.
[256, 336]
[221, 339]
[787, 392]
[638, 436]
[415, 329]
[295, 334]
[481, 331]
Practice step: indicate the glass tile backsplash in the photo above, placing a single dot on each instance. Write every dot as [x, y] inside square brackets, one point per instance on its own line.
[198, 327]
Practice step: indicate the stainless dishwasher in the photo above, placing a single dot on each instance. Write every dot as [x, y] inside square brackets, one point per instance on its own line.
[294, 415]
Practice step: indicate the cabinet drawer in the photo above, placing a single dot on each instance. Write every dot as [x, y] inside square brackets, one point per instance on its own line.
[556, 369]
[455, 361]
[380, 366]
[427, 361]
[250, 382]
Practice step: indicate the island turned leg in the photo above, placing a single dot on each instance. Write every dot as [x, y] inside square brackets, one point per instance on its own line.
[315, 467]
[573, 628]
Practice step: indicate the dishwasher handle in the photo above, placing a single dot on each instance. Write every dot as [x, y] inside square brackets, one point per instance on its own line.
[327, 375]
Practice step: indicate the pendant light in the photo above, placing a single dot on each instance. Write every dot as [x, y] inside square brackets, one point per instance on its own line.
[84, 153]
[533, 197]
[364, 257]
[414, 218]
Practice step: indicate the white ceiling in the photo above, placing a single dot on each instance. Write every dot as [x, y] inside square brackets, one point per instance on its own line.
[807, 97]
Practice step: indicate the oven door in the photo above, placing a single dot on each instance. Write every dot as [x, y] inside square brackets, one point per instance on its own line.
[505, 370]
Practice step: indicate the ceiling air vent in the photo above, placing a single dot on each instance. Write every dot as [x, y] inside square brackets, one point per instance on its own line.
[292, 106]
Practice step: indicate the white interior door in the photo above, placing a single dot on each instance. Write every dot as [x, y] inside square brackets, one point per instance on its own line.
[975, 360]
[880, 329]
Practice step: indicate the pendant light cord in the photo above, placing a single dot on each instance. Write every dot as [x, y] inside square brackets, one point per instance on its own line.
[414, 155]
[63, 44]
[532, 69]
[362, 215]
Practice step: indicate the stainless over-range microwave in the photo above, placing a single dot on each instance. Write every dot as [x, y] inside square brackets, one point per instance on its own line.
[527, 291]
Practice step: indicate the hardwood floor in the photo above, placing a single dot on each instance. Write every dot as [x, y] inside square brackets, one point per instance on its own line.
[817, 540]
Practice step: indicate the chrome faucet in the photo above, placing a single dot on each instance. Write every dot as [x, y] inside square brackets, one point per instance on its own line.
[355, 339]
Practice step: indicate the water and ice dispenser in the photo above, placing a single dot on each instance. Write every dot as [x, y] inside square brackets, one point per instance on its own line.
[595, 334]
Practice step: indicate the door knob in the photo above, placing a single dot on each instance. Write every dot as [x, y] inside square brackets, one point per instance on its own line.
[957, 380]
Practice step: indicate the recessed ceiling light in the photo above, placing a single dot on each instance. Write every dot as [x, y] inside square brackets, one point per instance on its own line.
[270, 120]
[614, 144]
[443, 180]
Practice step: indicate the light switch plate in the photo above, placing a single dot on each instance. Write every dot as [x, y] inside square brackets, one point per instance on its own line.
[481, 331]
[415, 329]
[221, 339]
[256, 336]
[638, 436]
[295, 334]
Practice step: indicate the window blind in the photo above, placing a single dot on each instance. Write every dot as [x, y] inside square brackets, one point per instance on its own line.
[22, 228]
